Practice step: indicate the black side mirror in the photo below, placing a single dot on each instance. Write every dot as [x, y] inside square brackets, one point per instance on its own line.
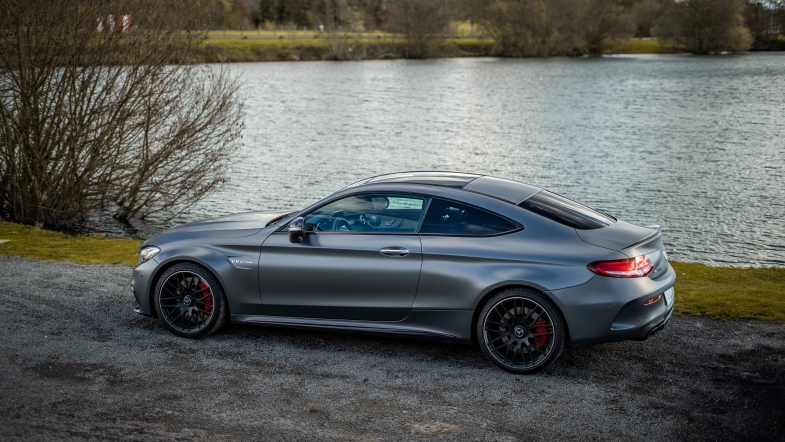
[297, 230]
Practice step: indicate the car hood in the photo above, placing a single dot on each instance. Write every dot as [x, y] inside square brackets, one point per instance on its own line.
[231, 226]
[240, 222]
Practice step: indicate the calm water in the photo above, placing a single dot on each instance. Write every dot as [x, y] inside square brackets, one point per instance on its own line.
[696, 144]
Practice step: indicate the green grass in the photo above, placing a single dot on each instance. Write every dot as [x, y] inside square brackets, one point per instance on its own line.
[32, 242]
[730, 293]
[636, 46]
[717, 292]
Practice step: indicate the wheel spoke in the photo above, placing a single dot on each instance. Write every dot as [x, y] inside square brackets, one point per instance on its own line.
[531, 356]
[506, 352]
[541, 343]
[501, 316]
[496, 339]
[496, 348]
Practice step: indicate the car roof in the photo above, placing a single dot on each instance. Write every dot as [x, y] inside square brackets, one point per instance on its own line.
[507, 190]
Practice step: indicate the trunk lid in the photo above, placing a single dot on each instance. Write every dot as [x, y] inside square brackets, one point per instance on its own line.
[632, 241]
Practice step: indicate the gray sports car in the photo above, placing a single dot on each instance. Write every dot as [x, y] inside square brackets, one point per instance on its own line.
[450, 256]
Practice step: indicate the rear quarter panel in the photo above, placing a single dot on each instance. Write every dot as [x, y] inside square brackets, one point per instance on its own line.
[457, 272]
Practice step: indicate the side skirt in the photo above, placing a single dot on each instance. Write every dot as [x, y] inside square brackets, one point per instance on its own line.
[417, 325]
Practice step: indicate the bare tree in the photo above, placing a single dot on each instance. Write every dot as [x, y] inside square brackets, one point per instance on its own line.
[766, 21]
[603, 21]
[708, 26]
[520, 28]
[420, 22]
[99, 111]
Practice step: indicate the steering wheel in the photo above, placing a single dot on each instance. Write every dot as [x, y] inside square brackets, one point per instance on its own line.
[341, 225]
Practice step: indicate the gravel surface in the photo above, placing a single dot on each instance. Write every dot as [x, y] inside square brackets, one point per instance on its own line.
[78, 363]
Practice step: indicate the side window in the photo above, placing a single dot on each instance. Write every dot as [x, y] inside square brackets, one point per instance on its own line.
[448, 218]
[369, 213]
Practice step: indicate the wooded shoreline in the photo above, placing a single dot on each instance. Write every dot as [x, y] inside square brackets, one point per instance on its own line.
[288, 49]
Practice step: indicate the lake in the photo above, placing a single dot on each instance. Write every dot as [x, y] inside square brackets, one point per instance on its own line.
[696, 144]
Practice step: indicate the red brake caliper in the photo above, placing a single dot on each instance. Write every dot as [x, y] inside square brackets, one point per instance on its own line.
[541, 340]
[208, 299]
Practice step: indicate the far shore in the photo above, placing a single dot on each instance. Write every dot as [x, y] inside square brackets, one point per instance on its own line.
[312, 48]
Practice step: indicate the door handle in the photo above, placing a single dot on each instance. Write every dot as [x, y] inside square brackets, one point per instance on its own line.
[394, 251]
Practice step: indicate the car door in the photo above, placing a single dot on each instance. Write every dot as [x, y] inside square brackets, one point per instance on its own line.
[360, 260]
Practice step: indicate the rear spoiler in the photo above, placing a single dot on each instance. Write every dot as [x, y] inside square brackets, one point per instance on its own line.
[657, 230]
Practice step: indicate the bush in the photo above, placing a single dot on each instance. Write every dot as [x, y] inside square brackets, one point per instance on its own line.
[98, 120]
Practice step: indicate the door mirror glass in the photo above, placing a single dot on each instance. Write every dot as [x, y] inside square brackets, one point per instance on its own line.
[297, 230]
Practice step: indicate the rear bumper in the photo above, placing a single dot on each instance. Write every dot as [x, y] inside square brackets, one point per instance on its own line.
[612, 309]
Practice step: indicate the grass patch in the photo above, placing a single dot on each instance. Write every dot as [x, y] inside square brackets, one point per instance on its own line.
[717, 292]
[637, 46]
[32, 242]
[730, 293]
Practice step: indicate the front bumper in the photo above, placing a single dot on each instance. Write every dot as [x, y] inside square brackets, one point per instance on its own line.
[140, 285]
[612, 309]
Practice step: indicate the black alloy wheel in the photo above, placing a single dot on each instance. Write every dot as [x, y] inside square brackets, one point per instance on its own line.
[189, 301]
[521, 331]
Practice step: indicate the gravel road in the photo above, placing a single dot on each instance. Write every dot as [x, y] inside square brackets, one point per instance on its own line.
[78, 363]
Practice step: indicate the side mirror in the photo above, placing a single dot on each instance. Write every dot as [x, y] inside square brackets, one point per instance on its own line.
[297, 230]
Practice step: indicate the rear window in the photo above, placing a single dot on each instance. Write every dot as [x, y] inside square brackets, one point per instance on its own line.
[565, 211]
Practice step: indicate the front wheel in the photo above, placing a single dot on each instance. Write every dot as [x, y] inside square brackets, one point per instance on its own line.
[521, 331]
[189, 301]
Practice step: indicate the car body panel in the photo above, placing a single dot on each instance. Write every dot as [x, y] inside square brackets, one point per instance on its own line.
[233, 260]
[618, 236]
[339, 276]
[591, 309]
[445, 325]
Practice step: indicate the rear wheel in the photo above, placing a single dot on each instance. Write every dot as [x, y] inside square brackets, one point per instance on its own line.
[189, 301]
[521, 331]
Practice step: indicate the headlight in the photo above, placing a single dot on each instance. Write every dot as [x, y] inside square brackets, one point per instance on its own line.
[146, 253]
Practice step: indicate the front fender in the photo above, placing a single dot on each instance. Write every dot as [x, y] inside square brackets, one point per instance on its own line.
[234, 262]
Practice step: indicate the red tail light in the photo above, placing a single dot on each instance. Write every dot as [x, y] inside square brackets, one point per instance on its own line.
[623, 268]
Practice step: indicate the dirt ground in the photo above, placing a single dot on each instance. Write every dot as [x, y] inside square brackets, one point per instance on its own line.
[77, 363]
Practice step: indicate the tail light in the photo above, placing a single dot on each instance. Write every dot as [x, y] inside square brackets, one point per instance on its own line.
[623, 268]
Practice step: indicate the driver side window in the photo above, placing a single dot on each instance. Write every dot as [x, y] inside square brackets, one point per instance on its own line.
[369, 213]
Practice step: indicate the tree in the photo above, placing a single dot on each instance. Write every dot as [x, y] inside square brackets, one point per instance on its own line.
[644, 16]
[766, 21]
[420, 21]
[708, 26]
[603, 21]
[519, 27]
[95, 120]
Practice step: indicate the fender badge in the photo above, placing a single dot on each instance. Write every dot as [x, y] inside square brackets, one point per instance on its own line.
[240, 262]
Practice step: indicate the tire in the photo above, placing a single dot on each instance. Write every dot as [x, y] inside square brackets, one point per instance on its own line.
[521, 331]
[190, 301]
